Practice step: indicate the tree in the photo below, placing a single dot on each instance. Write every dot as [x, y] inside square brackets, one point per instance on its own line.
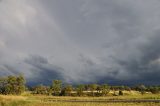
[14, 85]
[122, 88]
[10, 88]
[67, 90]
[3, 83]
[56, 87]
[93, 87]
[41, 89]
[105, 89]
[154, 90]
[20, 84]
[80, 89]
[128, 88]
[142, 89]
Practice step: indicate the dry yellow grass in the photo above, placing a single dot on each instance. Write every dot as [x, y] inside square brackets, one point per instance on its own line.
[22, 103]
[31, 100]
[94, 104]
[12, 97]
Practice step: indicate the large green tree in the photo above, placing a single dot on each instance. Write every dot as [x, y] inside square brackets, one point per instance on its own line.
[12, 85]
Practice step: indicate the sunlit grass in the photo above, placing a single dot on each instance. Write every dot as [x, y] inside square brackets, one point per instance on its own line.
[24, 103]
[41, 100]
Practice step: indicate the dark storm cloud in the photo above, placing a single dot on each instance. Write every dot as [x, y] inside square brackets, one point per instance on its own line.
[113, 41]
[43, 70]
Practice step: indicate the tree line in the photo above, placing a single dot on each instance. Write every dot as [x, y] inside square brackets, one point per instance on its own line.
[15, 85]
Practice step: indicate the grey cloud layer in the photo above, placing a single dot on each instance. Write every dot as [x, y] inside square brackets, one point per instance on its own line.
[81, 41]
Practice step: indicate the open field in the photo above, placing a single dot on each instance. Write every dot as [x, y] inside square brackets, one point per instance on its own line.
[35, 100]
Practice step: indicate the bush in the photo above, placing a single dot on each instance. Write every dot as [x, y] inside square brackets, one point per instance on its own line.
[120, 92]
[154, 90]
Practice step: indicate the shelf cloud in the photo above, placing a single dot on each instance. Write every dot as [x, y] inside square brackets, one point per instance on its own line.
[84, 41]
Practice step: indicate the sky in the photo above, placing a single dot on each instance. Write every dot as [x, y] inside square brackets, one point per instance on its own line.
[81, 41]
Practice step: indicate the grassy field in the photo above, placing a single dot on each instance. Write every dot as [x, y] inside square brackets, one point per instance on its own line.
[32, 100]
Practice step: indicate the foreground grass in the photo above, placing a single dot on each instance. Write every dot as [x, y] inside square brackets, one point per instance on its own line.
[93, 104]
[25, 103]
[31, 100]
